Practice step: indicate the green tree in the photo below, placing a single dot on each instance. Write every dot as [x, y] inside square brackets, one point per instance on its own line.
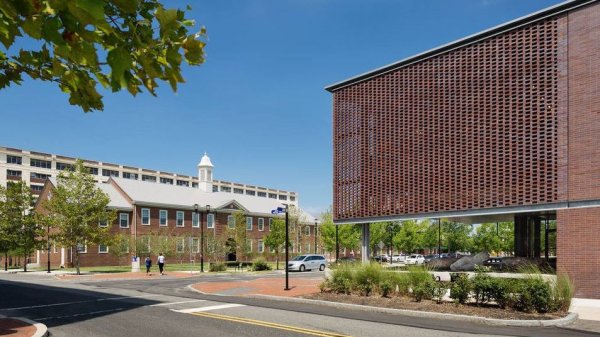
[119, 246]
[430, 235]
[349, 236]
[216, 247]
[20, 219]
[8, 229]
[121, 44]
[239, 234]
[410, 236]
[378, 232]
[486, 238]
[456, 236]
[276, 237]
[75, 209]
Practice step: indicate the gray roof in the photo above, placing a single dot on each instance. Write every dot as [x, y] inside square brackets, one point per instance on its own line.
[157, 194]
[117, 201]
[514, 24]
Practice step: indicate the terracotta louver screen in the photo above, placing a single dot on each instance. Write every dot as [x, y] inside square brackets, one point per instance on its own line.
[472, 128]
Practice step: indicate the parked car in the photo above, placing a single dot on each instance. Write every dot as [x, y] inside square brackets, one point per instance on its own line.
[415, 259]
[382, 258]
[494, 262]
[431, 257]
[398, 258]
[308, 262]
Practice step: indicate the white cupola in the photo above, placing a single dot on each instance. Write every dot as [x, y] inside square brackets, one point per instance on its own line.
[205, 177]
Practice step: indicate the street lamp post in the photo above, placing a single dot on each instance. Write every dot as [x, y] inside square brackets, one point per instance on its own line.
[287, 249]
[315, 234]
[439, 237]
[391, 243]
[48, 246]
[337, 243]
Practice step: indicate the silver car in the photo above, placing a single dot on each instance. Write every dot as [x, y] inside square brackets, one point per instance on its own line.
[307, 262]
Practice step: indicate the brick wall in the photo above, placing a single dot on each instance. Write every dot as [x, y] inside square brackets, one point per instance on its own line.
[578, 239]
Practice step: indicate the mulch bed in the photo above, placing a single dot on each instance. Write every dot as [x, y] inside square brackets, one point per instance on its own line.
[399, 302]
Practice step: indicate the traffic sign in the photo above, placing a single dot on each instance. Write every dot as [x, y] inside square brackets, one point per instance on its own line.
[279, 210]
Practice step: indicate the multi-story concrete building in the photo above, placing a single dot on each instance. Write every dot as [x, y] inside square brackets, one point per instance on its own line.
[501, 125]
[34, 167]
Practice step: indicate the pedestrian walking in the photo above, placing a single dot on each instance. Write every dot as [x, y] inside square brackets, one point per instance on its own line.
[148, 264]
[161, 263]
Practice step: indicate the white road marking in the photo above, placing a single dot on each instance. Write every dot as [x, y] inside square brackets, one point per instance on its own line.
[212, 307]
[77, 315]
[173, 303]
[77, 302]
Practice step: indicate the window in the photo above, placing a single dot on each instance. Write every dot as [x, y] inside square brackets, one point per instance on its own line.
[270, 224]
[226, 189]
[14, 160]
[210, 219]
[261, 224]
[162, 217]
[41, 176]
[145, 216]
[124, 220]
[102, 249]
[230, 221]
[282, 197]
[109, 173]
[215, 188]
[272, 195]
[195, 185]
[248, 223]
[238, 190]
[180, 246]
[308, 248]
[13, 173]
[148, 178]
[166, 181]
[250, 192]
[262, 194]
[195, 218]
[40, 163]
[129, 175]
[249, 244]
[102, 223]
[179, 219]
[307, 230]
[81, 248]
[183, 183]
[261, 246]
[92, 170]
[63, 166]
[292, 198]
[195, 245]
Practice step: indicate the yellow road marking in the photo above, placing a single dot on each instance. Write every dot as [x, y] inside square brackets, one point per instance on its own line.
[268, 324]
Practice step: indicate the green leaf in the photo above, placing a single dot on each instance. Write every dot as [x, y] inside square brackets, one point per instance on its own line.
[95, 8]
[128, 6]
[166, 18]
[194, 52]
[120, 62]
[33, 27]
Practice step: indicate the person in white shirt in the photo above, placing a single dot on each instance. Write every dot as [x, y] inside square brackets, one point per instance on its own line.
[161, 263]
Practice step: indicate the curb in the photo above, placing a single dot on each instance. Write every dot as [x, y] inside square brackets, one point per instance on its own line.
[41, 329]
[569, 319]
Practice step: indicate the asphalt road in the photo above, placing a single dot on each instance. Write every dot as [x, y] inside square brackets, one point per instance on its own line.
[165, 307]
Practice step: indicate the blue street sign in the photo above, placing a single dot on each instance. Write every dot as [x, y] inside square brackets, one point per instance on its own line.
[279, 210]
[274, 212]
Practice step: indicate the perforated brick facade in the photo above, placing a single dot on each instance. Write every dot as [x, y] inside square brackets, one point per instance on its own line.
[471, 128]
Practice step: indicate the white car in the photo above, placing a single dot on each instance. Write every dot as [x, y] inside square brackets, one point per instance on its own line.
[307, 262]
[398, 258]
[415, 259]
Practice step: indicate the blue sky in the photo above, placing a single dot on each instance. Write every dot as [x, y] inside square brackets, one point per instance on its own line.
[257, 106]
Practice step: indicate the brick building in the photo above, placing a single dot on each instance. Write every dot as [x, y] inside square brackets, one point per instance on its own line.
[501, 125]
[148, 211]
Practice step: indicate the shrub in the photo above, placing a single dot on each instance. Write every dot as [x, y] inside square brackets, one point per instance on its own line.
[216, 267]
[533, 294]
[386, 287]
[562, 293]
[424, 289]
[367, 277]
[439, 291]
[482, 287]
[260, 264]
[341, 280]
[461, 288]
[325, 286]
[400, 282]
